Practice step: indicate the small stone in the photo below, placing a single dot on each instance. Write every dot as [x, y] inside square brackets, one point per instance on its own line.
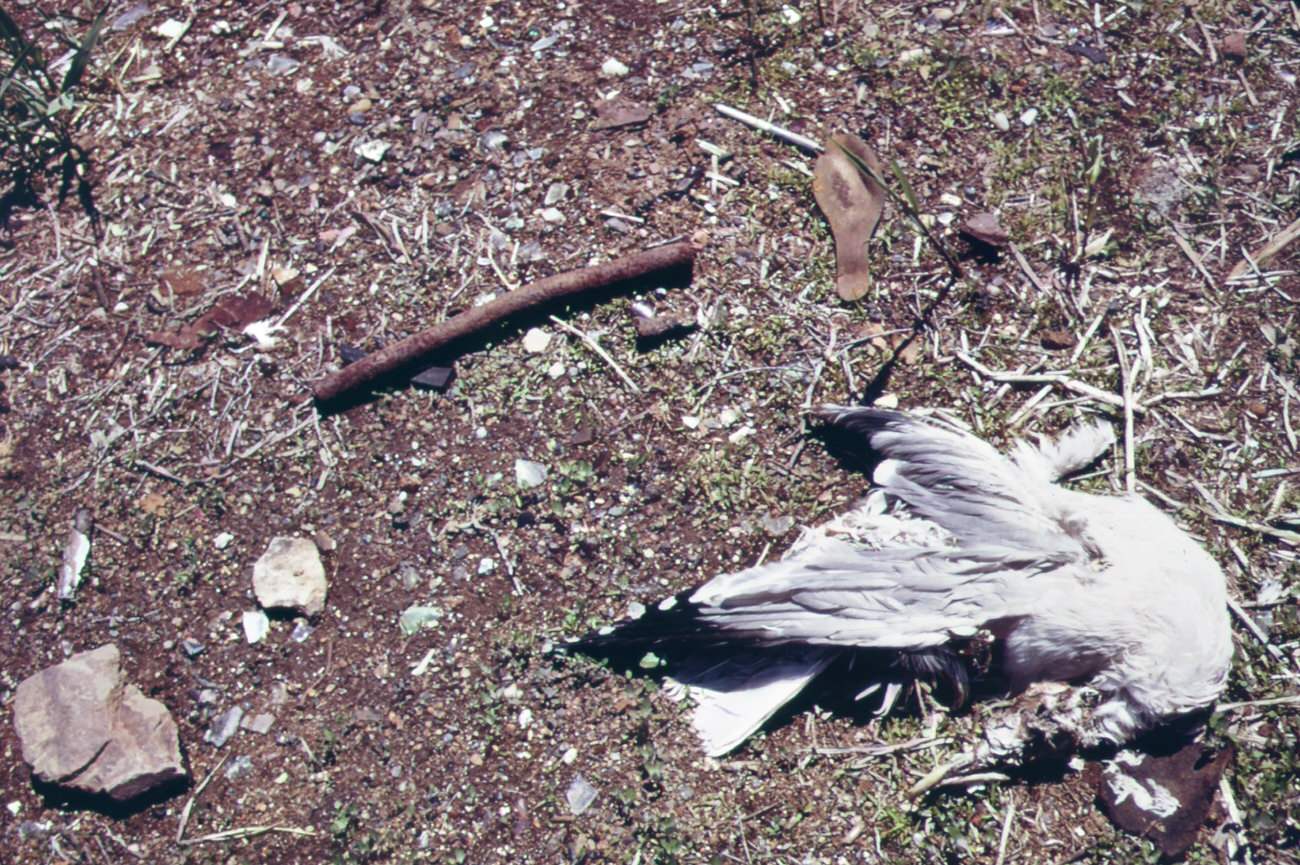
[238, 767]
[417, 618]
[552, 215]
[555, 193]
[261, 723]
[225, 726]
[222, 540]
[1001, 121]
[256, 626]
[302, 629]
[663, 327]
[171, 29]
[361, 106]
[986, 228]
[943, 15]
[191, 647]
[290, 575]
[1057, 340]
[486, 566]
[613, 68]
[373, 150]
[434, 378]
[1029, 117]
[887, 400]
[1233, 47]
[536, 340]
[580, 795]
[529, 474]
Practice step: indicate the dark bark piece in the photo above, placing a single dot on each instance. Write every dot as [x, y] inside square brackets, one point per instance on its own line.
[1163, 798]
[562, 285]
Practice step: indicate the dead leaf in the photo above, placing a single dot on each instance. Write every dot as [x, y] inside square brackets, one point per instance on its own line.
[1056, 340]
[183, 282]
[154, 504]
[236, 311]
[852, 203]
[908, 347]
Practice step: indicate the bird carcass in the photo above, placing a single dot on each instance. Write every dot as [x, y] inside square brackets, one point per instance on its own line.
[1107, 617]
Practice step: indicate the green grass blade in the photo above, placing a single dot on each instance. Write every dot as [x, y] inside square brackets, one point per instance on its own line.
[77, 68]
[17, 45]
[904, 186]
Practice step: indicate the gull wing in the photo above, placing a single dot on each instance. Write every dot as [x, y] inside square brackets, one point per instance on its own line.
[949, 476]
[837, 594]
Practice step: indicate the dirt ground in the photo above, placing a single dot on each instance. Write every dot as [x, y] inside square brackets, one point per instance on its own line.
[359, 170]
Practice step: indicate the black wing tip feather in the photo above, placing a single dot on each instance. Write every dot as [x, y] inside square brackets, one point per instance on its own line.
[662, 624]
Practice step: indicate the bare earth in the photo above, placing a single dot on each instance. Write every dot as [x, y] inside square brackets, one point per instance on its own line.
[370, 168]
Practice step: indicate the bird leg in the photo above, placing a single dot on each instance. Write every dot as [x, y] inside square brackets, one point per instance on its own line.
[1050, 721]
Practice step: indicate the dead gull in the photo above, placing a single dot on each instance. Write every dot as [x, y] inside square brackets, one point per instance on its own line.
[1108, 617]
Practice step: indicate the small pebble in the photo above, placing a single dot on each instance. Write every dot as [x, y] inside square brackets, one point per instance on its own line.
[612, 68]
[1001, 121]
[1029, 117]
[536, 340]
[256, 625]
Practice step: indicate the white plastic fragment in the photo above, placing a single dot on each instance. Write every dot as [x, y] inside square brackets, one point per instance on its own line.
[256, 625]
[529, 474]
[75, 553]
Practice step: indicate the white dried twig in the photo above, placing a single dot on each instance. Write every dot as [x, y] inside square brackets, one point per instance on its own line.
[770, 128]
[600, 352]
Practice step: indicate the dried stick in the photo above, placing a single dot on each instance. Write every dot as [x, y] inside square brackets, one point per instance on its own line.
[548, 290]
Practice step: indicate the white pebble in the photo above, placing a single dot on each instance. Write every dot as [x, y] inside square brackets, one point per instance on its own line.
[256, 625]
[536, 340]
[612, 68]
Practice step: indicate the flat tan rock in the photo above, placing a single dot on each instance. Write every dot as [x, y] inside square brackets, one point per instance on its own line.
[290, 575]
[81, 727]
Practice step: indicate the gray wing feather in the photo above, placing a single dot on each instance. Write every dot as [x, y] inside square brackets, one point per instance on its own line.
[836, 594]
[963, 484]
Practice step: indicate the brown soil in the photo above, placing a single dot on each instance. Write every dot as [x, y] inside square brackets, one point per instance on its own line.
[230, 168]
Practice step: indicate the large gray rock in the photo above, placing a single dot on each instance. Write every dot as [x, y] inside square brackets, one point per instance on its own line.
[82, 727]
[289, 575]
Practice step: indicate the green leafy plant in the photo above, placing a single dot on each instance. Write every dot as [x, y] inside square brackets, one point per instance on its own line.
[41, 115]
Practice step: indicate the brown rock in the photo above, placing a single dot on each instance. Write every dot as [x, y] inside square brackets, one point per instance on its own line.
[1056, 340]
[619, 112]
[80, 727]
[662, 327]
[1233, 47]
[985, 228]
